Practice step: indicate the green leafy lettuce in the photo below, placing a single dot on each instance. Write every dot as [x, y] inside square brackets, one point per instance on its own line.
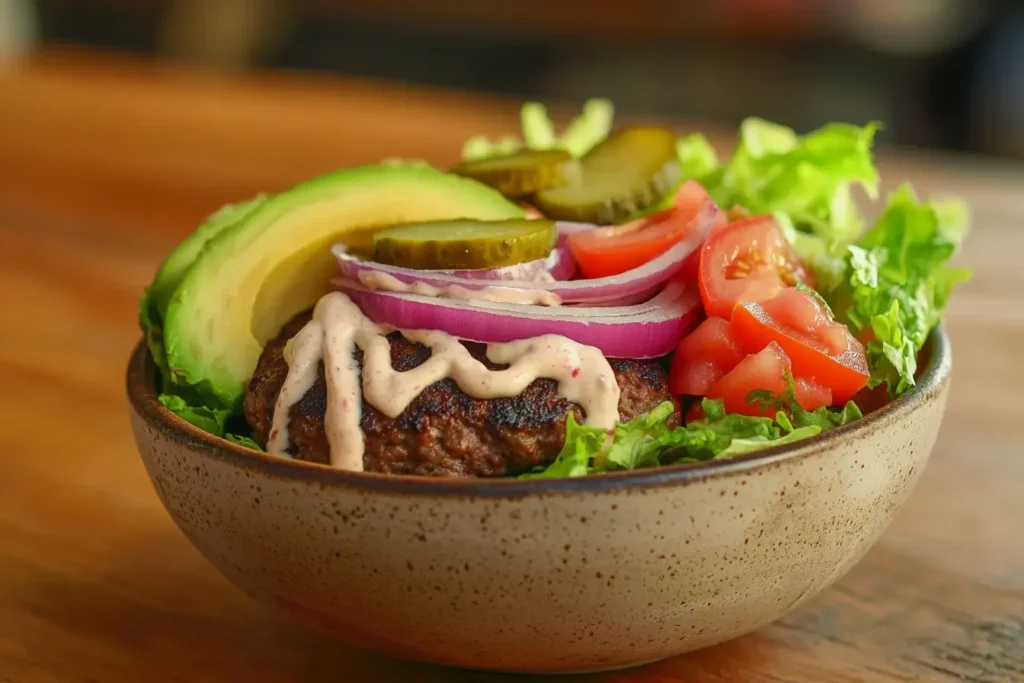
[804, 180]
[586, 130]
[212, 420]
[894, 283]
[648, 441]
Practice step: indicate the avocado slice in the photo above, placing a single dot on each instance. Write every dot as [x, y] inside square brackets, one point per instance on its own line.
[174, 267]
[255, 275]
[153, 306]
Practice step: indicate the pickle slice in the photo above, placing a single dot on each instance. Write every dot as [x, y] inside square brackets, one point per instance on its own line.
[525, 172]
[631, 170]
[464, 244]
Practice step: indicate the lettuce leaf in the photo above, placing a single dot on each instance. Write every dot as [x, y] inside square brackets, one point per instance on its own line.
[152, 328]
[243, 441]
[805, 181]
[538, 132]
[647, 441]
[895, 283]
[212, 420]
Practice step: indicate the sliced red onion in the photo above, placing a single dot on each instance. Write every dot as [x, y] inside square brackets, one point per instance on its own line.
[648, 330]
[626, 286]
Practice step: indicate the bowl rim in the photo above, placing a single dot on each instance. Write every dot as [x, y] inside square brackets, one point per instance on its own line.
[141, 378]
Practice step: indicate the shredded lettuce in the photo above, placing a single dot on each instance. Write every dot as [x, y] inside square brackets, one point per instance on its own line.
[580, 136]
[805, 181]
[152, 328]
[647, 441]
[212, 420]
[896, 281]
[243, 441]
[538, 131]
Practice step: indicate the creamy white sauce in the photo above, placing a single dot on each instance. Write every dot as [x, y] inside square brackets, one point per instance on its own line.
[375, 279]
[338, 326]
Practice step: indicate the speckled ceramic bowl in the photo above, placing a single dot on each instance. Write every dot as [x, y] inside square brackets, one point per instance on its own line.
[542, 576]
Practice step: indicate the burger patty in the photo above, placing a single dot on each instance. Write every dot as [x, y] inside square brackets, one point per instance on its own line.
[445, 432]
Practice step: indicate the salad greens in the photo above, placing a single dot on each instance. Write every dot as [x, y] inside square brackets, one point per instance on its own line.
[648, 441]
[212, 420]
[583, 133]
[889, 284]
[894, 283]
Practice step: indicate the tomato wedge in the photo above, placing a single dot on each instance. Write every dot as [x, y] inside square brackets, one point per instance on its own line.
[690, 271]
[615, 249]
[818, 347]
[749, 260]
[765, 370]
[703, 357]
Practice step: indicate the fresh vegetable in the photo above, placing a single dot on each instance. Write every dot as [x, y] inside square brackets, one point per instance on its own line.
[648, 441]
[647, 330]
[748, 260]
[893, 286]
[464, 244]
[703, 357]
[212, 420]
[766, 370]
[804, 181]
[583, 133]
[628, 171]
[637, 284]
[525, 172]
[818, 347]
[617, 249]
[558, 265]
[255, 275]
[772, 359]
[153, 306]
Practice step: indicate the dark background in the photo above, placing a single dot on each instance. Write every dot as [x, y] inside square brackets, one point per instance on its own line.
[940, 73]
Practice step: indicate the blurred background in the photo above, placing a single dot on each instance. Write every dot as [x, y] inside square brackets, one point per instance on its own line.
[945, 74]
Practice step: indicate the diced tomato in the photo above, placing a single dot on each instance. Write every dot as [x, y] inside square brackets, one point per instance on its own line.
[749, 260]
[811, 395]
[615, 249]
[690, 271]
[765, 370]
[817, 346]
[703, 357]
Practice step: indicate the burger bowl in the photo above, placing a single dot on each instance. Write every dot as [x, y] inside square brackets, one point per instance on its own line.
[542, 576]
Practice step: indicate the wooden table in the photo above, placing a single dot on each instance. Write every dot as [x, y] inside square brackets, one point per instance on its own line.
[105, 164]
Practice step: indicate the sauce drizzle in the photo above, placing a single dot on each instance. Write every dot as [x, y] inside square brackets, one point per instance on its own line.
[496, 294]
[338, 326]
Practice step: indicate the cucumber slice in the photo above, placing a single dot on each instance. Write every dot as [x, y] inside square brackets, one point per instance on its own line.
[631, 170]
[523, 173]
[464, 244]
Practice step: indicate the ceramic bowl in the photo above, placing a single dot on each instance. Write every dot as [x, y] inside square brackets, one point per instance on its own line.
[542, 576]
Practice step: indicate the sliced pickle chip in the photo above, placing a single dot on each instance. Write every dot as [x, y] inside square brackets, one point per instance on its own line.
[525, 172]
[464, 244]
[628, 172]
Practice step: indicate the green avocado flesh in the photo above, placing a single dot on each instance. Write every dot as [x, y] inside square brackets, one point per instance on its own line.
[259, 272]
[172, 270]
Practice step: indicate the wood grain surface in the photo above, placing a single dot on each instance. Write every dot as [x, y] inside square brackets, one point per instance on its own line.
[106, 163]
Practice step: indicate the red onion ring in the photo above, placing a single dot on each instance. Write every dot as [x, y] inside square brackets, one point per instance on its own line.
[625, 286]
[559, 265]
[648, 330]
